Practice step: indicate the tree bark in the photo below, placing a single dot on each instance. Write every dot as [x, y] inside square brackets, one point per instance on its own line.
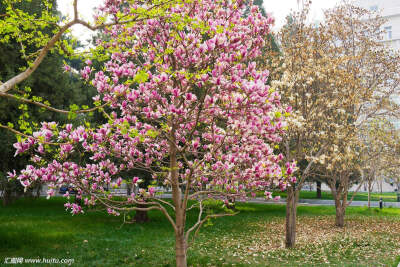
[7, 197]
[38, 189]
[370, 180]
[339, 205]
[141, 216]
[340, 212]
[180, 249]
[291, 208]
[180, 209]
[128, 189]
[369, 194]
[319, 193]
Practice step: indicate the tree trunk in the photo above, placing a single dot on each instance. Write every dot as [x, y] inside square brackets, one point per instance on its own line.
[180, 249]
[128, 189]
[180, 208]
[339, 205]
[291, 207]
[141, 216]
[38, 190]
[340, 212]
[369, 195]
[7, 197]
[319, 193]
[370, 180]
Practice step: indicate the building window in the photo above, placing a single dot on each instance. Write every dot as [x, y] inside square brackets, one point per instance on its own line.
[373, 8]
[388, 32]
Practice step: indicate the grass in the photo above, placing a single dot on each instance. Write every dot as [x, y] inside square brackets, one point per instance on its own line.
[360, 196]
[42, 229]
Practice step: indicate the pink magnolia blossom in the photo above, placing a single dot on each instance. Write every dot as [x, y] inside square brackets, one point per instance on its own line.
[277, 198]
[67, 68]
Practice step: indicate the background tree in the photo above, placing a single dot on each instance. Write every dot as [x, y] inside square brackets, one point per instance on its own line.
[380, 151]
[370, 83]
[334, 77]
[302, 76]
[341, 171]
[29, 31]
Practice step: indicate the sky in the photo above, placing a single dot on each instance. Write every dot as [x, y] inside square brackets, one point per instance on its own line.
[86, 11]
[279, 9]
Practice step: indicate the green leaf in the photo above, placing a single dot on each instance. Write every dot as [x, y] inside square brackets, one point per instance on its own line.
[141, 77]
[152, 133]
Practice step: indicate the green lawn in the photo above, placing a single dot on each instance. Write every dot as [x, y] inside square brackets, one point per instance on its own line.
[42, 229]
[361, 196]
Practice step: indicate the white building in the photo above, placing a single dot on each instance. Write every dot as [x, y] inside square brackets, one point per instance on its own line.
[390, 10]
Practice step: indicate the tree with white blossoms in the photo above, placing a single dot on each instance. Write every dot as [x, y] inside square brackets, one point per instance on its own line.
[340, 171]
[336, 75]
[368, 85]
[380, 152]
[302, 75]
[185, 102]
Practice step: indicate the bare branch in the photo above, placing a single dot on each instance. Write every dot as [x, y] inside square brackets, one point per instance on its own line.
[75, 9]
[164, 202]
[355, 193]
[157, 206]
[25, 100]
[200, 223]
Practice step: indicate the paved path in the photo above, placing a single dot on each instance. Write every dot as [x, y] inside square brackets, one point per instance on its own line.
[306, 202]
[353, 203]
[315, 202]
[329, 202]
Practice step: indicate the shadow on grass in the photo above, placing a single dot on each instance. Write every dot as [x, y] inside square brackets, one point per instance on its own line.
[17, 237]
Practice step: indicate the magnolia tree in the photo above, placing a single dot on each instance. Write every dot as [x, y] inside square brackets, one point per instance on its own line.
[380, 151]
[367, 80]
[185, 102]
[336, 77]
[370, 84]
[302, 75]
[341, 170]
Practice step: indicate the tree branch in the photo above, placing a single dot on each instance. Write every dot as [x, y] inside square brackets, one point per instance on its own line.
[8, 85]
[198, 225]
[25, 100]
[28, 136]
